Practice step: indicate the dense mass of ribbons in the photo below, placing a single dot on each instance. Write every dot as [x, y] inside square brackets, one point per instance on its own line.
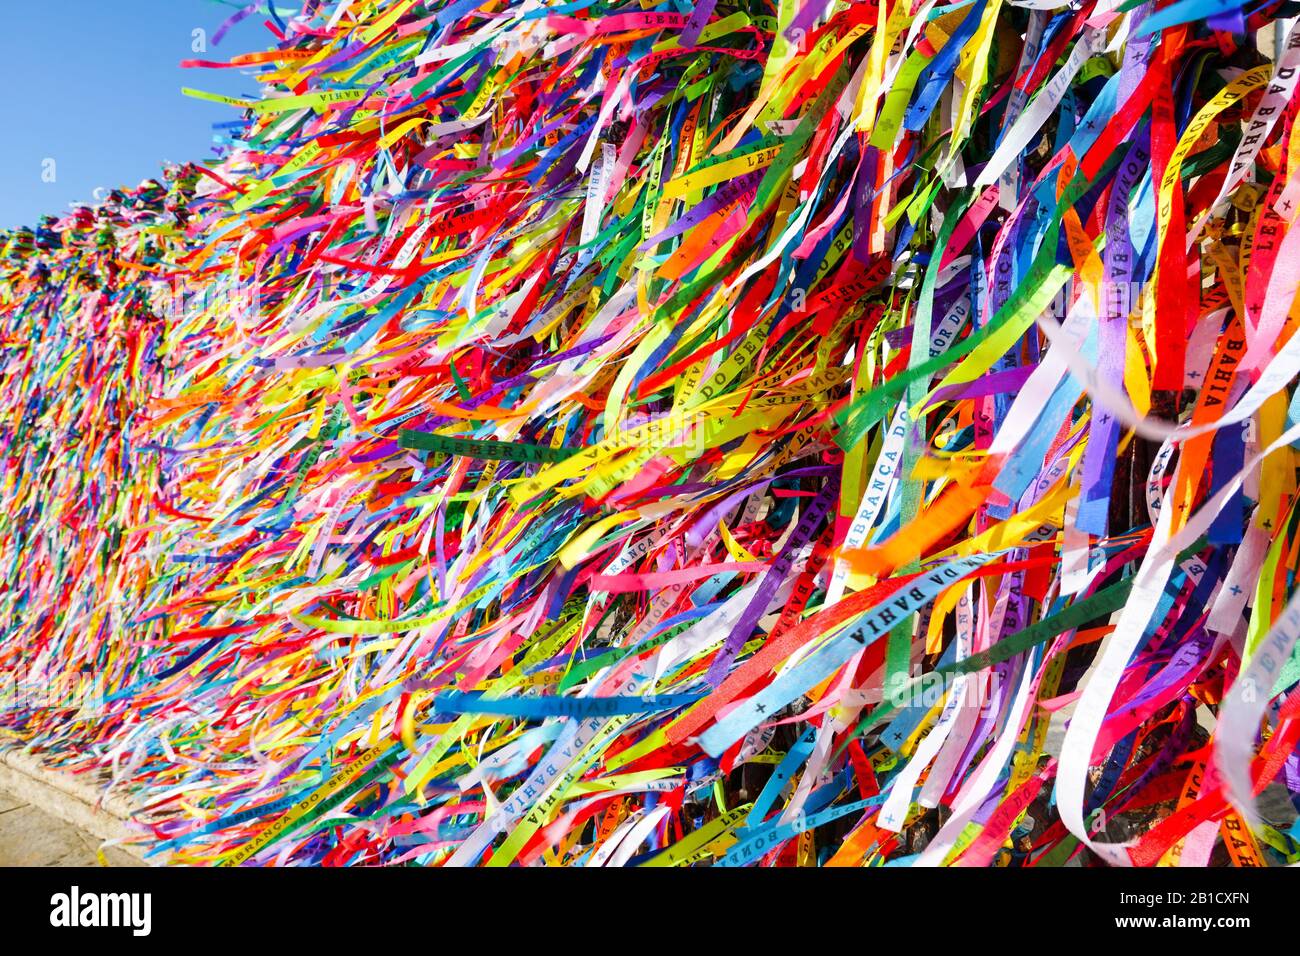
[611, 433]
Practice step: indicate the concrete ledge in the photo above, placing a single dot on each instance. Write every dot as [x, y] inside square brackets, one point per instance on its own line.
[69, 798]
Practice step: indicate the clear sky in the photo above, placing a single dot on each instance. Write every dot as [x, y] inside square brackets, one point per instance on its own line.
[94, 85]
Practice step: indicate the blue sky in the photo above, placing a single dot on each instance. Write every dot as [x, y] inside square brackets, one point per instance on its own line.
[95, 86]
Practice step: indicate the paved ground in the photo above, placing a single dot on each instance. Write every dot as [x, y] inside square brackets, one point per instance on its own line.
[31, 837]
